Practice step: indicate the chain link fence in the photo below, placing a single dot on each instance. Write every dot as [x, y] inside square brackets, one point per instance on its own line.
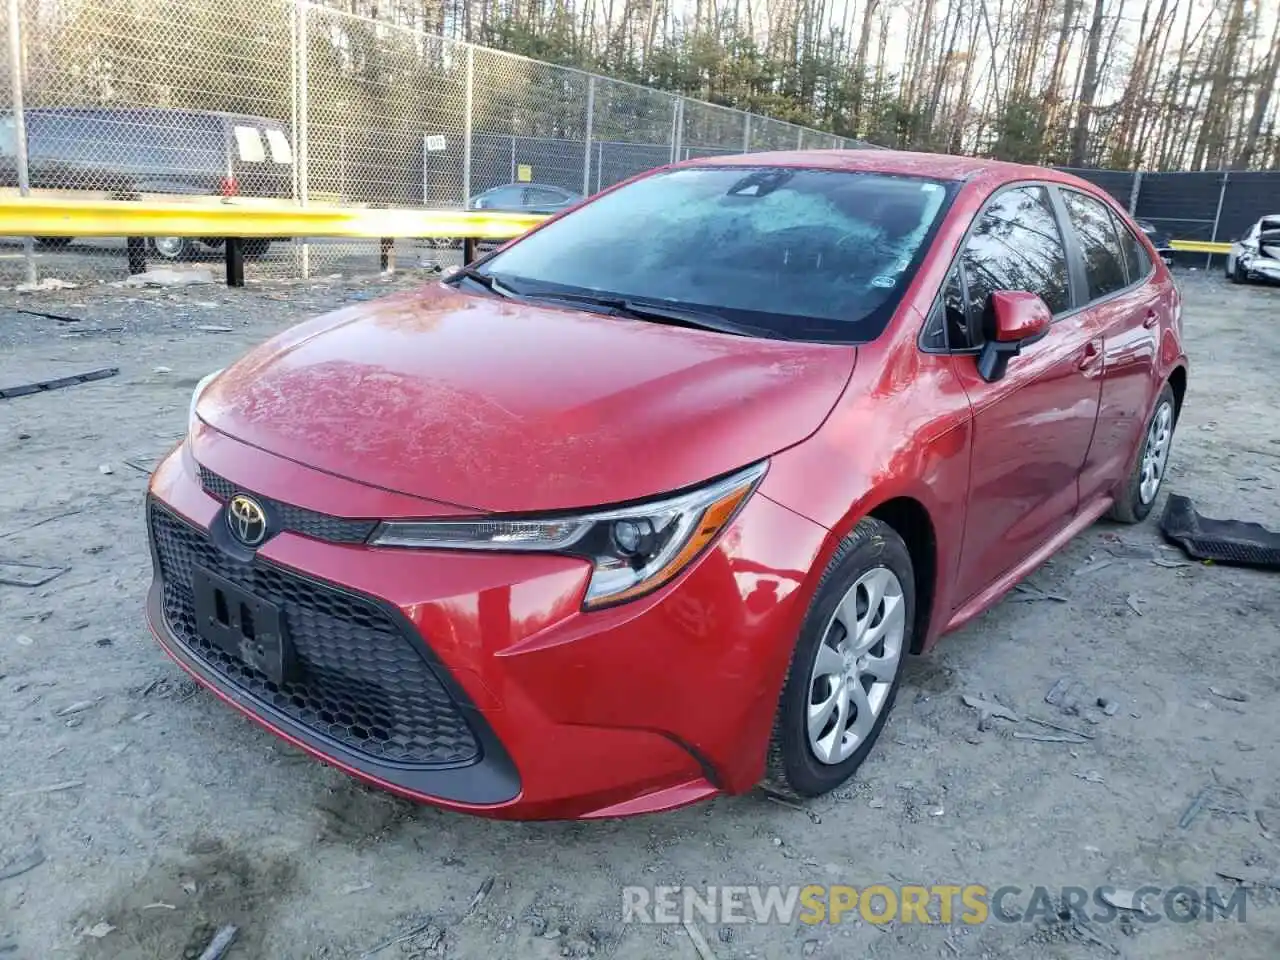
[269, 100]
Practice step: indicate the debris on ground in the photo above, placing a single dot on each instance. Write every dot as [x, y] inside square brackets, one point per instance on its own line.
[1049, 738]
[1059, 727]
[220, 943]
[1255, 877]
[1230, 693]
[1123, 900]
[783, 802]
[1109, 706]
[44, 386]
[170, 278]
[79, 706]
[22, 864]
[15, 573]
[1094, 567]
[1090, 776]
[479, 898]
[51, 788]
[1234, 542]
[1132, 601]
[1030, 593]
[48, 283]
[399, 938]
[1196, 805]
[98, 931]
[988, 709]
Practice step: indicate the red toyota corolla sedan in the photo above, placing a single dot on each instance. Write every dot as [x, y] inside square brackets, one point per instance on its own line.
[652, 503]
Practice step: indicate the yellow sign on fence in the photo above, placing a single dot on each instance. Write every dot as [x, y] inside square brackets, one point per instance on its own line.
[524, 173]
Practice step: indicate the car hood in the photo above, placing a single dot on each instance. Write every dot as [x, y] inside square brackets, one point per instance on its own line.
[497, 405]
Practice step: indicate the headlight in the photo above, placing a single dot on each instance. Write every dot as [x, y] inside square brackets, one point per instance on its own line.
[633, 550]
[195, 398]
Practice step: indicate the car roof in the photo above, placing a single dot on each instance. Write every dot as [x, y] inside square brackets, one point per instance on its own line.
[938, 166]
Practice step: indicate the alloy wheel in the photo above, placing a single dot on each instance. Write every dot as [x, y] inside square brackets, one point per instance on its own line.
[856, 664]
[1155, 454]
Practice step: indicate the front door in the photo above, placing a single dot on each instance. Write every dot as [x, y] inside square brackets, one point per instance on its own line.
[1031, 428]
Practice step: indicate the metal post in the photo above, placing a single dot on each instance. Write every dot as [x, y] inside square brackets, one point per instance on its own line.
[20, 128]
[303, 133]
[466, 126]
[586, 152]
[512, 178]
[800, 139]
[675, 127]
[1134, 191]
[234, 247]
[599, 165]
[746, 134]
[677, 122]
[1222, 192]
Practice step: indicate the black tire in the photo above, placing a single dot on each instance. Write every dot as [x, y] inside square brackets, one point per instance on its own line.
[1129, 506]
[1238, 275]
[53, 243]
[793, 770]
[172, 249]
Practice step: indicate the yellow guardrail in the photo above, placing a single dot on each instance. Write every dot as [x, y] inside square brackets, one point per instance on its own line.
[1199, 246]
[39, 217]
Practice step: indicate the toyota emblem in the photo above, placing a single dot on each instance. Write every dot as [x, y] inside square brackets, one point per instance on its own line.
[246, 520]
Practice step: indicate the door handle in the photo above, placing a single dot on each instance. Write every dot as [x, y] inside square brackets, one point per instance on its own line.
[1151, 319]
[1091, 355]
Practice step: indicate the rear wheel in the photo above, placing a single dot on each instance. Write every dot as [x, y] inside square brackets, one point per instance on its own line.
[1147, 477]
[173, 248]
[846, 665]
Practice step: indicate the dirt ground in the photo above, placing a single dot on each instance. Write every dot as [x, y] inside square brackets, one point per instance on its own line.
[137, 815]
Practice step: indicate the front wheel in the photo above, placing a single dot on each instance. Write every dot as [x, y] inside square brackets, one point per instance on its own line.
[1147, 476]
[846, 665]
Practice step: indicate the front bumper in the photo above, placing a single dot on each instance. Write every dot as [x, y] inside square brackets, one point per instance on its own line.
[475, 681]
[1260, 268]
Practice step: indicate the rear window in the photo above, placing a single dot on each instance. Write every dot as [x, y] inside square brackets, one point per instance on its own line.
[249, 147]
[796, 253]
[281, 152]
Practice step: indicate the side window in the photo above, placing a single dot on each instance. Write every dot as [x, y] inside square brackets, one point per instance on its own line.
[948, 326]
[1103, 259]
[1016, 245]
[545, 197]
[1137, 262]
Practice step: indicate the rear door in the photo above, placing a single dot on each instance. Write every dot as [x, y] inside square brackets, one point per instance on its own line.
[260, 158]
[1031, 428]
[1127, 309]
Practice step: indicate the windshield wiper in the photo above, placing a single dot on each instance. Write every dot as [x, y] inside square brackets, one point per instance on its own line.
[656, 313]
[488, 281]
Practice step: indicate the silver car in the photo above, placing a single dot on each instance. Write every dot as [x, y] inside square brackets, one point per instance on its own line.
[1256, 255]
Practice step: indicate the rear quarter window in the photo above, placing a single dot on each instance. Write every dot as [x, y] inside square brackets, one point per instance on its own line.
[1104, 261]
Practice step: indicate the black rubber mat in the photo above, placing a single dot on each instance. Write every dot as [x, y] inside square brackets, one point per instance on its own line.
[1233, 542]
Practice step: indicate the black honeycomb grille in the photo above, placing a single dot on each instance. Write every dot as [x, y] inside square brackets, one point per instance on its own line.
[308, 523]
[361, 682]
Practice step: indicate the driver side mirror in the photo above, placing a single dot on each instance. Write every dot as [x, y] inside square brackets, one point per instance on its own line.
[1015, 319]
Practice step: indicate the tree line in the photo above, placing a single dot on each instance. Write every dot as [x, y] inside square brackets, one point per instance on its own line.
[1156, 84]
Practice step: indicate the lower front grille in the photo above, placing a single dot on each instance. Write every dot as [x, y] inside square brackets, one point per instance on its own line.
[360, 681]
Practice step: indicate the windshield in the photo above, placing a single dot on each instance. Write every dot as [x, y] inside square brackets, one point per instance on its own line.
[791, 253]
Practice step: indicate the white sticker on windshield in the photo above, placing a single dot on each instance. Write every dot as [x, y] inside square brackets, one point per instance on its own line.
[883, 282]
[929, 188]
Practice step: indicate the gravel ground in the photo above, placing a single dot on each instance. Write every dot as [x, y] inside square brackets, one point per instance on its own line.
[161, 814]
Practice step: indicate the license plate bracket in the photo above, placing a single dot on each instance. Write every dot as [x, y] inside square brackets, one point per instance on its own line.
[243, 625]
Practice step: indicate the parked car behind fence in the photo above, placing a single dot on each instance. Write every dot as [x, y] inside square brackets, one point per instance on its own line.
[121, 153]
